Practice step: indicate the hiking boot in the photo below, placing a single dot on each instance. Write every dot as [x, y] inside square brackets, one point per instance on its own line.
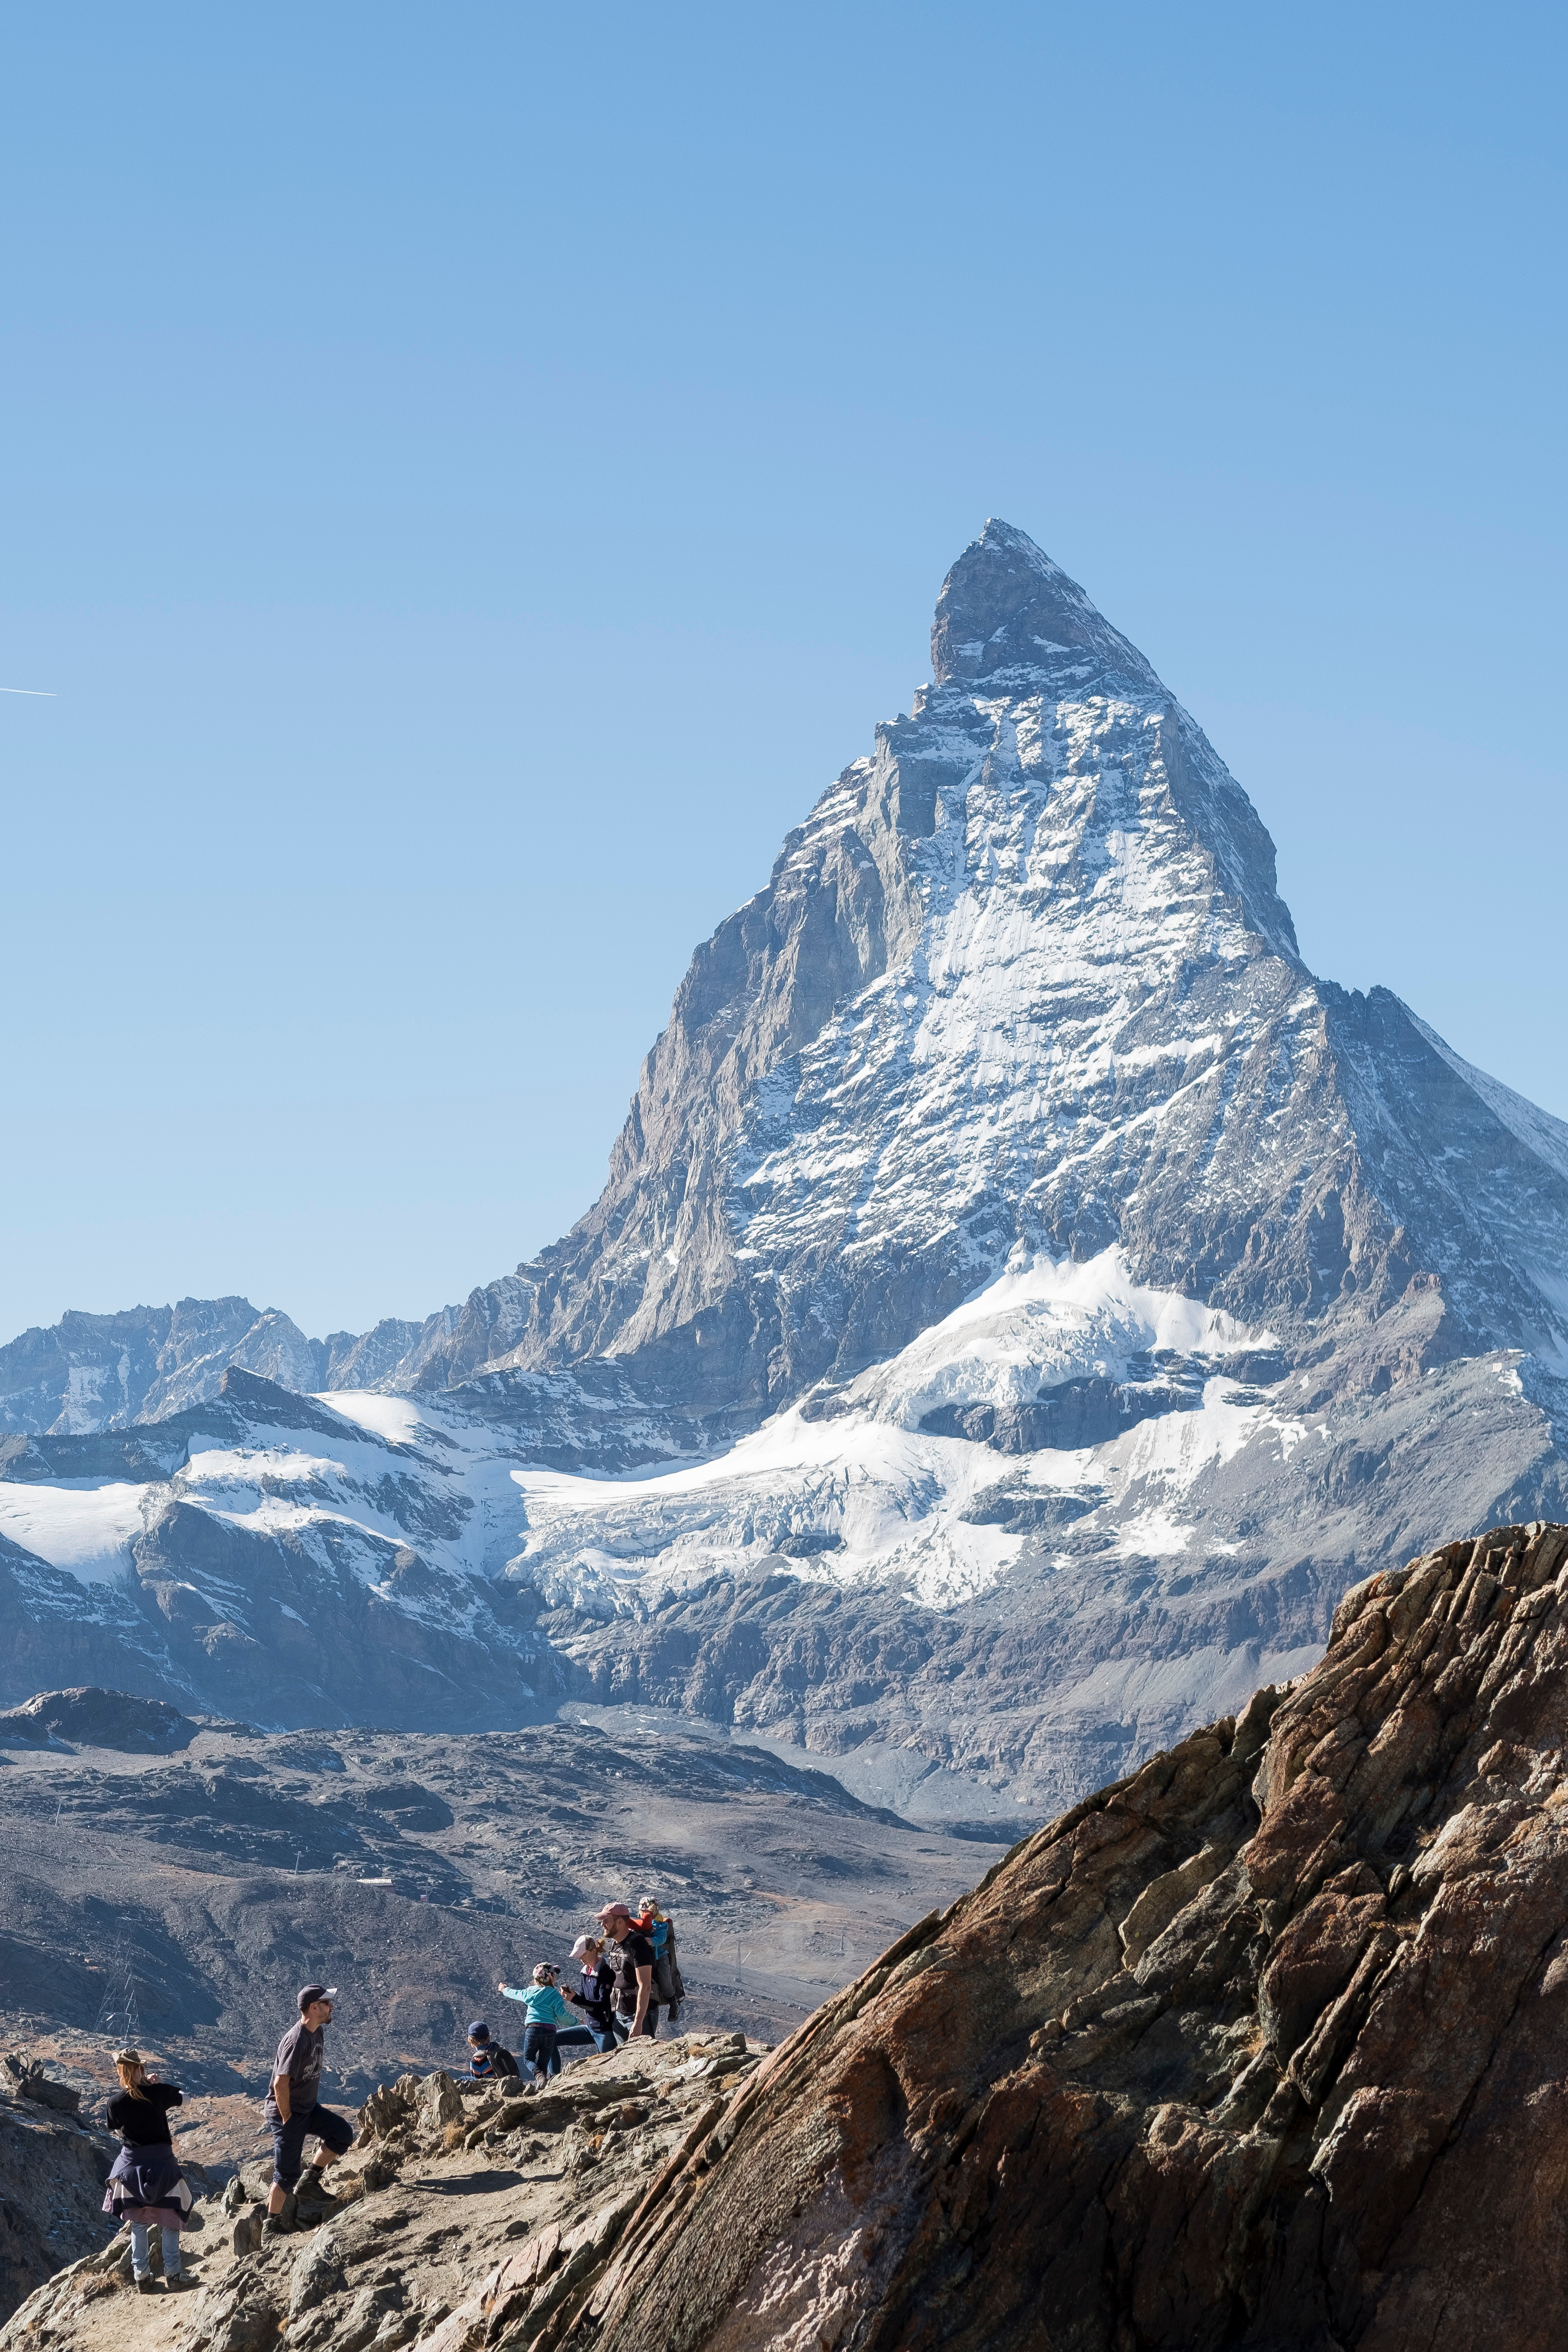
[146, 2283]
[277, 2225]
[172, 2285]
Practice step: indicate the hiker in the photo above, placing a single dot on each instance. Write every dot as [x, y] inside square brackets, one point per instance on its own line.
[294, 2111]
[595, 1996]
[146, 2187]
[659, 1928]
[546, 2013]
[635, 2008]
[489, 2062]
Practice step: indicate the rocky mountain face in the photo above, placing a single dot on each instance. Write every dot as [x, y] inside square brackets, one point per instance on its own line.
[1024, 1297]
[90, 1373]
[53, 2166]
[262, 1554]
[1263, 2046]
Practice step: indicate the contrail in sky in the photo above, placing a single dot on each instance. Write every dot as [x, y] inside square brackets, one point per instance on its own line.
[41, 693]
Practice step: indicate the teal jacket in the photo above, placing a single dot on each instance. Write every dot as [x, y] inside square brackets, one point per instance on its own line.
[541, 2004]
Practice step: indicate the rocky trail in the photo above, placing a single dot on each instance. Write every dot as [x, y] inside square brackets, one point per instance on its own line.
[460, 2211]
[1264, 2046]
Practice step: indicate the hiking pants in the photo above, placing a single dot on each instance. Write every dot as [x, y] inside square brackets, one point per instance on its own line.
[539, 2051]
[578, 2035]
[288, 2141]
[141, 2252]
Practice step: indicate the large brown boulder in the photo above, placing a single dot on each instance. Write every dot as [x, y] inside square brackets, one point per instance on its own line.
[1266, 2045]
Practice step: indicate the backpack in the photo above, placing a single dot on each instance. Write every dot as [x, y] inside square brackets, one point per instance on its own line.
[502, 2060]
[667, 1986]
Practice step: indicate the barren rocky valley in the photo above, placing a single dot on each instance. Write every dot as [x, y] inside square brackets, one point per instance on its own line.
[184, 1888]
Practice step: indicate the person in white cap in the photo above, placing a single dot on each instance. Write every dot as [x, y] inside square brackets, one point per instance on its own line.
[595, 1996]
[294, 2110]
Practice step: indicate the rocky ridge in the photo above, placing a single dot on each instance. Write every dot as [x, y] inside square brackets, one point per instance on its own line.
[52, 2170]
[1264, 2046]
[460, 2217]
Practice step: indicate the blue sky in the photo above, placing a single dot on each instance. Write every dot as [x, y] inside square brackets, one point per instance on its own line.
[472, 477]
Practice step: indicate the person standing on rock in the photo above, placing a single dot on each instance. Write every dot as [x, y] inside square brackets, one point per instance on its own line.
[547, 2023]
[294, 2108]
[146, 2187]
[635, 2004]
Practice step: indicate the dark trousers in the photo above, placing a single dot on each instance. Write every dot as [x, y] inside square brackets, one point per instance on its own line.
[539, 2051]
[288, 2141]
[649, 2024]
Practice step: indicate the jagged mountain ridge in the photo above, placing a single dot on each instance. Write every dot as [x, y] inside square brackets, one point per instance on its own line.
[89, 1372]
[1054, 1294]
[1023, 982]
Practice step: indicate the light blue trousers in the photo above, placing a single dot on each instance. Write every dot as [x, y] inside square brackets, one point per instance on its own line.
[138, 2250]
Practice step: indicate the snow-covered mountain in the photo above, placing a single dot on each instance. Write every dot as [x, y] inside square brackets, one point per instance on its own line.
[87, 1373]
[1023, 1296]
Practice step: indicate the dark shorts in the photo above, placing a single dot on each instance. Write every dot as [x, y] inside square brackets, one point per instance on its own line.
[288, 2141]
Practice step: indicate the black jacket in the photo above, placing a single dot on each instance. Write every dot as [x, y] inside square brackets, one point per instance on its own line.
[595, 1997]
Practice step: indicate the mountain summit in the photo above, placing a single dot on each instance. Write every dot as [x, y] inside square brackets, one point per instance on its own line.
[1028, 1295]
[1023, 984]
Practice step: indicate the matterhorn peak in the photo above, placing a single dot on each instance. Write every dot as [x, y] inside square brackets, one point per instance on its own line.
[1006, 606]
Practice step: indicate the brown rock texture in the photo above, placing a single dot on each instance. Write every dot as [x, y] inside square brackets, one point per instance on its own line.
[1266, 2045]
[52, 2170]
[464, 2217]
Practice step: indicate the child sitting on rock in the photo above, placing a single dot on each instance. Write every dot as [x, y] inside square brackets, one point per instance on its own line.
[488, 2061]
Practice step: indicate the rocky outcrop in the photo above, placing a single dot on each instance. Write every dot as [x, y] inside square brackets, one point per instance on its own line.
[52, 2170]
[96, 1718]
[1266, 2045]
[461, 2219]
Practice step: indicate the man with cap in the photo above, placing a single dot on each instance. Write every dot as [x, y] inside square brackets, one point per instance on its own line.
[636, 2009]
[293, 2109]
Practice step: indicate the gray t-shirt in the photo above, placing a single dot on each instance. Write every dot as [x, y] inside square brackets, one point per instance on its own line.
[299, 2057]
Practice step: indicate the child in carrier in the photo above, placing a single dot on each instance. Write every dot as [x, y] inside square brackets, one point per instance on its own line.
[659, 1928]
